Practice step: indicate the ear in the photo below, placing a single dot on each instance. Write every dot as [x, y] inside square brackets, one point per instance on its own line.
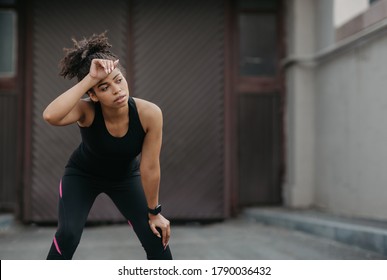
[92, 96]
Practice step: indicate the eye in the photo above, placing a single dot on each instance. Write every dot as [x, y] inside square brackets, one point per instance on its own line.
[103, 88]
[119, 80]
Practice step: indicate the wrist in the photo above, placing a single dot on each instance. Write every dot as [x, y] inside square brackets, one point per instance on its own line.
[90, 80]
[154, 210]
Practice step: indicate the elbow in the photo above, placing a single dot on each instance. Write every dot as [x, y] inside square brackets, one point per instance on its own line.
[152, 170]
[46, 116]
[49, 118]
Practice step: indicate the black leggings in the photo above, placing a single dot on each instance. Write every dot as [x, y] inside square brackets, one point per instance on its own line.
[77, 194]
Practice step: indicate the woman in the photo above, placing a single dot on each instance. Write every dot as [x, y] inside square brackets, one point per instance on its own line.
[116, 129]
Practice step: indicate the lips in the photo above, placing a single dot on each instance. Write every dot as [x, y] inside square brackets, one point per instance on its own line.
[120, 98]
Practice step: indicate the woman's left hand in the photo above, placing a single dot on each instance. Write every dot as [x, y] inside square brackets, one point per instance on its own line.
[158, 221]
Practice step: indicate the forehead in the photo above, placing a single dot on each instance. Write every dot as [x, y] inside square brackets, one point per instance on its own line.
[114, 74]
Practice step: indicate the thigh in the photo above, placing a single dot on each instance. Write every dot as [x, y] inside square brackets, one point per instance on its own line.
[131, 201]
[129, 197]
[77, 196]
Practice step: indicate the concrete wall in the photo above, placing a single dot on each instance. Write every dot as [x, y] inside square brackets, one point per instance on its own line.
[336, 107]
[299, 182]
[351, 135]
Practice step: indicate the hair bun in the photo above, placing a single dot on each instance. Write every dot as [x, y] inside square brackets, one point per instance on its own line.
[86, 48]
[95, 44]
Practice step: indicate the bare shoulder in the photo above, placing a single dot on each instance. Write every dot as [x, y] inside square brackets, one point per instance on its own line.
[150, 114]
[147, 107]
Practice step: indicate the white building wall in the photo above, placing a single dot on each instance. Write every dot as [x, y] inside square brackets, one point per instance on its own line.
[351, 138]
[336, 110]
[299, 186]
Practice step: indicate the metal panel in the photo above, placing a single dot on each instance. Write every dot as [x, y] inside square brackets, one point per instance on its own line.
[8, 151]
[259, 154]
[178, 59]
[54, 23]
[259, 90]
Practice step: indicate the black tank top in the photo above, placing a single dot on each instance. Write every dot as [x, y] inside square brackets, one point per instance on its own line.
[103, 155]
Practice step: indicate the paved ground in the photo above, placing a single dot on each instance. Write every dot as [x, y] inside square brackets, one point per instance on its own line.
[240, 238]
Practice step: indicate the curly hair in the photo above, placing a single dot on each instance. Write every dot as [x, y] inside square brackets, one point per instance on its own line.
[77, 60]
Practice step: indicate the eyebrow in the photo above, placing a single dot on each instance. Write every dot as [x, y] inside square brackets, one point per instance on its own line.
[101, 84]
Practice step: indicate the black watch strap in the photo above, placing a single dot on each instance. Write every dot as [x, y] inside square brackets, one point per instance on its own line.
[155, 211]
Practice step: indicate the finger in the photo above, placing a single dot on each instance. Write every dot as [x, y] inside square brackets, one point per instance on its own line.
[166, 234]
[115, 63]
[166, 242]
[111, 66]
[154, 230]
[100, 63]
[104, 66]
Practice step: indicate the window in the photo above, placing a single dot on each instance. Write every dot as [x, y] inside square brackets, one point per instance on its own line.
[8, 48]
[257, 44]
[257, 28]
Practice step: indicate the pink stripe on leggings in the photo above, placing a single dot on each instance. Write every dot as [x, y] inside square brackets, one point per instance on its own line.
[60, 189]
[57, 246]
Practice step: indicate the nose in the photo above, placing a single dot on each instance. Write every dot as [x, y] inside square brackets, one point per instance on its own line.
[117, 90]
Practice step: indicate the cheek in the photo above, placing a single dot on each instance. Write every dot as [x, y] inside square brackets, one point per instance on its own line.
[125, 84]
[104, 96]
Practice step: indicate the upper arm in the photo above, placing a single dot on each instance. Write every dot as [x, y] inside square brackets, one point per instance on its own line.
[80, 113]
[152, 121]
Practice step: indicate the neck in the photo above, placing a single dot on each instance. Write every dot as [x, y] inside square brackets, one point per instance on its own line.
[114, 114]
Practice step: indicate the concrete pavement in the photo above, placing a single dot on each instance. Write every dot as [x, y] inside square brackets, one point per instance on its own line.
[258, 233]
[362, 233]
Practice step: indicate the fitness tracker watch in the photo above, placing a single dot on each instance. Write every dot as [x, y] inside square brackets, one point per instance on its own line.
[155, 211]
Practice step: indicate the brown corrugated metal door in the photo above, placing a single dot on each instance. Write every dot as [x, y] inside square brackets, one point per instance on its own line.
[179, 64]
[53, 25]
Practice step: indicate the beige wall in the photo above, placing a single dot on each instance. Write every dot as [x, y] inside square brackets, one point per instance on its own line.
[336, 107]
[351, 151]
[299, 182]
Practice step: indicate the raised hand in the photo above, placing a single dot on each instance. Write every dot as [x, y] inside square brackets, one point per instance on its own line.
[100, 68]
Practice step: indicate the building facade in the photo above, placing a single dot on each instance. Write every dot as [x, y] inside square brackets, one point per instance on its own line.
[265, 103]
[203, 62]
[335, 92]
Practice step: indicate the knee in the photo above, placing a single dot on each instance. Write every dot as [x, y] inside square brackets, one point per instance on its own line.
[68, 240]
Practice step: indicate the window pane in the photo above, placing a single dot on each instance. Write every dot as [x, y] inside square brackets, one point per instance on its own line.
[7, 43]
[257, 50]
